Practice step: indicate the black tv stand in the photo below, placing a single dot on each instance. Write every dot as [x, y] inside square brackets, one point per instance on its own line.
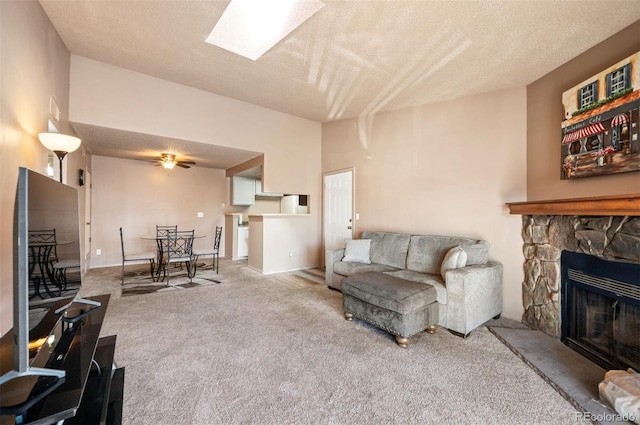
[91, 391]
[83, 307]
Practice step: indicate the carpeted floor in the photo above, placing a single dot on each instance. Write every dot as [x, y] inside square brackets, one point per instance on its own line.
[138, 280]
[276, 349]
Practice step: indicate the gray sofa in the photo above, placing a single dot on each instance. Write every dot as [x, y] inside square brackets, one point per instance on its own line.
[467, 296]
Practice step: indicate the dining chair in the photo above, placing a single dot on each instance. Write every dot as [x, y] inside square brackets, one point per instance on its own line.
[43, 253]
[150, 256]
[179, 250]
[45, 238]
[161, 239]
[215, 252]
[60, 269]
[162, 230]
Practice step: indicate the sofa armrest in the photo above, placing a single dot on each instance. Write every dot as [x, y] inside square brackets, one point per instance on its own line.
[474, 295]
[331, 256]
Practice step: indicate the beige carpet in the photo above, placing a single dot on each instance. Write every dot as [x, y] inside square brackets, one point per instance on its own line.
[138, 281]
[276, 349]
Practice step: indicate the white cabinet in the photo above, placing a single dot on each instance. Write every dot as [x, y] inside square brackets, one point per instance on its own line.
[243, 241]
[243, 190]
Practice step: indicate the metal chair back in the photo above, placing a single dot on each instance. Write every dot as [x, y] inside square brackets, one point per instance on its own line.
[165, 230]
[44, 238]
[216, 239]
[162, 233]
[179, 249]
[215, 252]
[43, 253]
[149, 256]
[216, 248]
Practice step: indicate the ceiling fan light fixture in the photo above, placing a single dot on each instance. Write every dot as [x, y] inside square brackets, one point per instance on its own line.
[250, 28]
[169, 161]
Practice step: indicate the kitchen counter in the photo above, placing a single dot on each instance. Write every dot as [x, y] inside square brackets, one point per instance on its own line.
[283, 242]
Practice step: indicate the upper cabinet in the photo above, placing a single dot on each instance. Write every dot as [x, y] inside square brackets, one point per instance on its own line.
[243, 190]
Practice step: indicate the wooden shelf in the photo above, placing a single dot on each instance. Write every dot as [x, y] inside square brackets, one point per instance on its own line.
[621, 205]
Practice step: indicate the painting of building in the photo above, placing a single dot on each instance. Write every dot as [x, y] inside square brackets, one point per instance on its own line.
[600, 129]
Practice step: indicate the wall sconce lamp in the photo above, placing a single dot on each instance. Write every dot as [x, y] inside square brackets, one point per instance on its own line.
[60, 144]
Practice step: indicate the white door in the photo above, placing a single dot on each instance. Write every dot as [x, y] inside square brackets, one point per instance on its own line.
[338, 209]
[87, 220]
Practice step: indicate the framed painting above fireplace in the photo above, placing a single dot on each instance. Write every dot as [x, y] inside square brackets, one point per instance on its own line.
[601, 128]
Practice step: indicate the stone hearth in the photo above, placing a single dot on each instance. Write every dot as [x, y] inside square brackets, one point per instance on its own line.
[546, 236]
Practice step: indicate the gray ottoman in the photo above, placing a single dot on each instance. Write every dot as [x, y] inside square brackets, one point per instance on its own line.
[400, 307]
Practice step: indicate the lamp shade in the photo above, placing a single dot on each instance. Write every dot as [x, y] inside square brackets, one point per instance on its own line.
[59, 142]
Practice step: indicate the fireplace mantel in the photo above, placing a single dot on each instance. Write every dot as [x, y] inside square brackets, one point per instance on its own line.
[615, 205]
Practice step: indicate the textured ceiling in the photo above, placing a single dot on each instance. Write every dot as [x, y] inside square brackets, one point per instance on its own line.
[352, 57]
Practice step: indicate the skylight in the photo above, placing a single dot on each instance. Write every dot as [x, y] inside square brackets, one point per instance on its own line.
[251, 27]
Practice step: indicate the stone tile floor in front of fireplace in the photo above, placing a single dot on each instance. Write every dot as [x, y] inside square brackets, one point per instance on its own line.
[574, 376]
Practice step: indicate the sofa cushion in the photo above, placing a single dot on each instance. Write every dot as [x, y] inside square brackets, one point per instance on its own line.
[455, 258]
[357, 250]
[426, 253]
[389, 292]
[477, 253]
[430, 279]
[389, 249]
[348, 268]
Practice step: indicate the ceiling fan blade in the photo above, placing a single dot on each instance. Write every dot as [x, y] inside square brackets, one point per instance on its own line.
[179, 164]
[188, 162]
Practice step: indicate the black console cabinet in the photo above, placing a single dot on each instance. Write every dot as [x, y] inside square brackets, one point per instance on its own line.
[92, 389]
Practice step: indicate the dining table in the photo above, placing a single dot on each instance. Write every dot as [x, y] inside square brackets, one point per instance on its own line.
[160, 243]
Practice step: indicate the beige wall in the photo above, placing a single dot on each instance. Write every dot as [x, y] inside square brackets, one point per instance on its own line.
[114, 97]
[109, 96]
[445, 168]
[34, 65]
[545, 114]
[137, 195]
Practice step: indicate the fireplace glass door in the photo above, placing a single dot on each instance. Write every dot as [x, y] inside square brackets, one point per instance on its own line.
[601, 310]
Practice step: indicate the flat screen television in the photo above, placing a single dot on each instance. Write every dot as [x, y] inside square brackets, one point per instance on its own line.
[45, 236]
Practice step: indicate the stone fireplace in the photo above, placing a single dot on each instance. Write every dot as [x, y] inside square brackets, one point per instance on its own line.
[605, 227]
[545, 237]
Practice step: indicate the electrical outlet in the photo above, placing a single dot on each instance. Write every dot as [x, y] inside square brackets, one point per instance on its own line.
[98, 252]
[200, 214]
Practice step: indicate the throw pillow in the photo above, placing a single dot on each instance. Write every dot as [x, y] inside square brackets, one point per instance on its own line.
[455, 258]
[357, 250]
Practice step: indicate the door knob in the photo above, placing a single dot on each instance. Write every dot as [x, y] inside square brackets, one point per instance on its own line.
[348, 227]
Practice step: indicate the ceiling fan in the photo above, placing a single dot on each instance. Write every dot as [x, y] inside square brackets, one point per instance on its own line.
[168, 161]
